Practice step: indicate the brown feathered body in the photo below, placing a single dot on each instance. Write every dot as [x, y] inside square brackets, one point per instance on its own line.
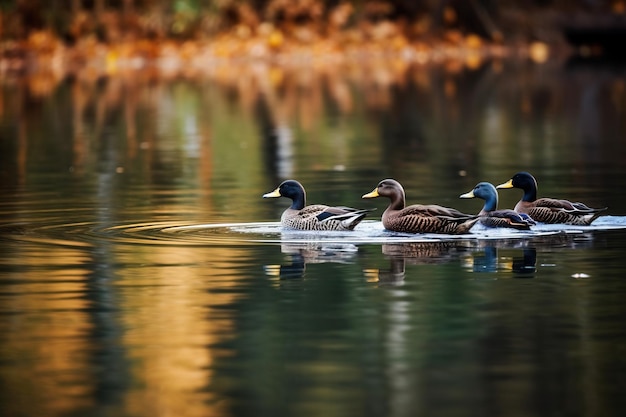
[419, 218]
[549, 210]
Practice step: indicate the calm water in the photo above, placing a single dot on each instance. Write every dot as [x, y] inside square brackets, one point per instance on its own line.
[141, 274]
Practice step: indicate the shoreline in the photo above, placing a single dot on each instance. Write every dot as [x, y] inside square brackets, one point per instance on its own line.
[42, 52]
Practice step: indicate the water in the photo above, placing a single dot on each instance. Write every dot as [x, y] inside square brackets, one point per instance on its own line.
[142, 274]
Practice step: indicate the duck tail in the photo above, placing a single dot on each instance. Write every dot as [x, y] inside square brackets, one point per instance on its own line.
[520, 225]
[525, 218]
[584, 209]
[522, 221]
[595, 215]
[348, 220]
[351, 222]
[467, 225]
[471, 222]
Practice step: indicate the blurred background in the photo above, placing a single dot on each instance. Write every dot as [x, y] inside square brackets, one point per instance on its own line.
[114, 35]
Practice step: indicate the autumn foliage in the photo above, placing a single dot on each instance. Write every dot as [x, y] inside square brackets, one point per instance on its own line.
[113, 34]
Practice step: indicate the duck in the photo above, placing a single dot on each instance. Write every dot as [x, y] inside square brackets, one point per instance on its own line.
[490, 216]
[549, 210]
[418, 218]
[321, 217]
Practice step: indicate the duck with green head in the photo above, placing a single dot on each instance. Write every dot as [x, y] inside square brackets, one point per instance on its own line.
[418, 218]
[549, 210]
[490, 215]
[314, 217]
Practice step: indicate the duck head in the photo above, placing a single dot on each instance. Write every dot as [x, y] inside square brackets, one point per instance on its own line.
[525, 182]
[291, 189]
[485, 191]
[391, 189]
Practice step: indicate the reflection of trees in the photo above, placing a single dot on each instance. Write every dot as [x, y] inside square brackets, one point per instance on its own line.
[173, 330]
[107, 327]
[44, 347]
[424, 123]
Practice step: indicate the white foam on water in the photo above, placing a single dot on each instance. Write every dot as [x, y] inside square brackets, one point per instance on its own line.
[374, 232]
[367, 232]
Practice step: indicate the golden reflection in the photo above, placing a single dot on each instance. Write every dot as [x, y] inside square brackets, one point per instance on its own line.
[170, 326]
[45, 347]
[163, 317]
[539, 52]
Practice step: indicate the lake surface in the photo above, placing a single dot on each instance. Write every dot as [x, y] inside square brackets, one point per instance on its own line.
[142, 274]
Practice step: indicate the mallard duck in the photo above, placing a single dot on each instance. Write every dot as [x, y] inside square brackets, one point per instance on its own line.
[491, 216]
[419, 218]
[549, 210]
[314, 217]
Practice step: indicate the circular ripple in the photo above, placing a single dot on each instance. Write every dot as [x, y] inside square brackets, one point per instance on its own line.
[182, 233]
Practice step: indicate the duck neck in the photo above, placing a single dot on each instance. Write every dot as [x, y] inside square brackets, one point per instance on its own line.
[530, 194]
[491, 204]
[298, 202]
[398, 201]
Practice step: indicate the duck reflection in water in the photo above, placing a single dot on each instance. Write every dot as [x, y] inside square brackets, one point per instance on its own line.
[527, 263]
[413, 253]
[488, 260]
[301, 254]
[494, 255]
[394, 275]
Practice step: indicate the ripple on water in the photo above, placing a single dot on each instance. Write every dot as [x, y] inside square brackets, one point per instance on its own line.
[186, 233]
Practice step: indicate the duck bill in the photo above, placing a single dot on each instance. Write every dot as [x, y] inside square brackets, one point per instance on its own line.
[508, 184]
[468, 195]
[373, 194]
[275, 193]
